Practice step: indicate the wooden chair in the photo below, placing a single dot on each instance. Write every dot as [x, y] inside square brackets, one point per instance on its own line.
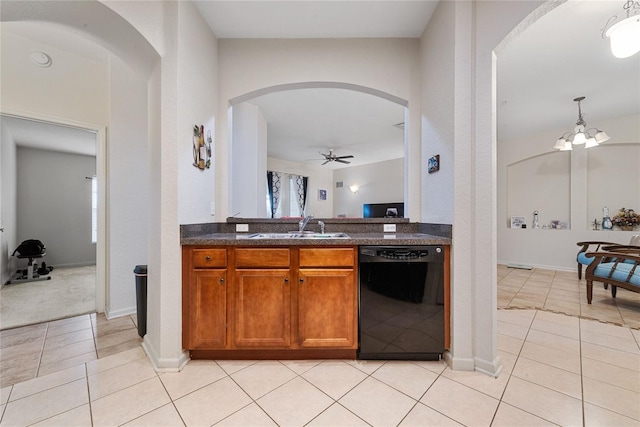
[618, 269]
[596, 246]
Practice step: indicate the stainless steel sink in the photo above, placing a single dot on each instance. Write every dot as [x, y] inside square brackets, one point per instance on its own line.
[296, 235]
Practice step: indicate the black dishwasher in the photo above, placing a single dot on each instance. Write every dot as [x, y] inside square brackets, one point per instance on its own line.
[401, 308]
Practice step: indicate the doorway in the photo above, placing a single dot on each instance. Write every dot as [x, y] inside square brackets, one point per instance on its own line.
[53, 175]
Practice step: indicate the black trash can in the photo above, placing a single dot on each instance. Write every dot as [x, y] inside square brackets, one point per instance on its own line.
[141, 298]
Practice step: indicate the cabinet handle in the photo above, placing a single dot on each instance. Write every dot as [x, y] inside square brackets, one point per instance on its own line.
[207, 258]
[221, 280]
[301, 280]
[286, 280]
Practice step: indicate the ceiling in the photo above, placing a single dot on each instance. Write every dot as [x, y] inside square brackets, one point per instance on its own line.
[558, 58]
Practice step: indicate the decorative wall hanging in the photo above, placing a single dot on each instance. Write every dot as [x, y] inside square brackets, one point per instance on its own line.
[434, 164]
[201, 149]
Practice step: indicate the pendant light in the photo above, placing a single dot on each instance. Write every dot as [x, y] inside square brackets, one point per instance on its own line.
[624, 32]
[581, 135]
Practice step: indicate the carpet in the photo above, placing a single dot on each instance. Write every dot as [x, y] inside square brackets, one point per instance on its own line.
[70, 292]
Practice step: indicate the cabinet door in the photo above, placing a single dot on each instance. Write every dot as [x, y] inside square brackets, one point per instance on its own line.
[327, 308]
[262, 308]
[208, 309]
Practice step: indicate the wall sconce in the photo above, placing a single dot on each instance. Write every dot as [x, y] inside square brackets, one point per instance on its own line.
[354, 188]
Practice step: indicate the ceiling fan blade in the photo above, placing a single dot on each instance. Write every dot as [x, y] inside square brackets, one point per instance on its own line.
[325, 162]
[345, 157]
[342, 161]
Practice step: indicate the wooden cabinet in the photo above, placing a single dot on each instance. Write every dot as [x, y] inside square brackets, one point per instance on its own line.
[204, 298]
[270, 302]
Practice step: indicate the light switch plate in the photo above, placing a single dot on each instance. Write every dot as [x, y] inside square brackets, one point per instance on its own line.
[389, 228]
[242, 227]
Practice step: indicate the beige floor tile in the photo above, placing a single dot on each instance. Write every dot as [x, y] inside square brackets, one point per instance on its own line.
[71, 326]
[511, 330]
[517, 317]
[461, 403]
[554, 341]
[105, 327]
[60, 365]
[436, 366]
[509, 344]
[422, 415]
[406, 377]
[613, 356]
[543, 402]
[616, 399]
[119, 378]
[251, 415]
[300, 366]
[337, 416]
[559, 306]
[595, 416]
[605, 328]
[560, 319]
[625, 344]
[115, 338]
[67, 351]
[526, 303]
[129, 404]
[37, 385]
[5, 392]
[66, 339]
[119, 348]
[377, 403]
[19, 350]
[483, 383]
[572, 332]
[231, 366]
[551, 356]
[76, 417]
[166, 416]
[299, 394]
[196, 374]
[15, 376]
[508, 362]
[603, 370]
[212, 403]
[334, 377]
[99, 365]
[25, 337]
[46, 404]
[550, 377]
[510, 416]
[366, 366]
[4, 333]
[69, 320]
[262, 377]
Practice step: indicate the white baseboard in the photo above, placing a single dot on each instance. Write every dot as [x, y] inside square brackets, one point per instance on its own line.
[113, 314]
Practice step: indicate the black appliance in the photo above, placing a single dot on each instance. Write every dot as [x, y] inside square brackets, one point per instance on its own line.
[383, 210]
[401, 310]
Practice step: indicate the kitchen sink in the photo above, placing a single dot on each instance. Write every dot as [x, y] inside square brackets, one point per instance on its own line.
[297, 235]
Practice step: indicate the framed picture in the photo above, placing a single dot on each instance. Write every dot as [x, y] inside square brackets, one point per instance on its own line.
[517, 221]
[434, 164]
[322, 194]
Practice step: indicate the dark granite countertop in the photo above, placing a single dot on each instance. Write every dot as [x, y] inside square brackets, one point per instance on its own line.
[392, 239]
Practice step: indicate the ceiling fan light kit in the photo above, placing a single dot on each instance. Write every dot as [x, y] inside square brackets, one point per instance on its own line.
[581, 135]
[624, 33]
[333, 158]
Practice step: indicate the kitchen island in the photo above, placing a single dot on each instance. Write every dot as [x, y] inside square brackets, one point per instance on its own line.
[268, 297]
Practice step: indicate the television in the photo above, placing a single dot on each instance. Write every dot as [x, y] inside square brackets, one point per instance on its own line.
[383, 210]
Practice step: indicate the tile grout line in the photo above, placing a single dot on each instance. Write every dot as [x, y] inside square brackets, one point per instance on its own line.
[44, 340]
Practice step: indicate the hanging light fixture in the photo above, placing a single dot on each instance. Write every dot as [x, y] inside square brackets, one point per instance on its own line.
[624, 31]
[581, 135]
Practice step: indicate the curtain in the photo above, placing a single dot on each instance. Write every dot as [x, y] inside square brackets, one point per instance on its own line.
[274, 183]
[301, 192]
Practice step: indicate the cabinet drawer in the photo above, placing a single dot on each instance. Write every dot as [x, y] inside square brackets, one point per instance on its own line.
[263, 257]
[209, 258]
[327, 257]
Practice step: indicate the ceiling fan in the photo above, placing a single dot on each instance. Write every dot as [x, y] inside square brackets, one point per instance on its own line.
[333, 158]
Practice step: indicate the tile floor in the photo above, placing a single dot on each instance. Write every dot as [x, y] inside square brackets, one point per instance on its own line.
[562, 292]
[38, 350]
[558, 370]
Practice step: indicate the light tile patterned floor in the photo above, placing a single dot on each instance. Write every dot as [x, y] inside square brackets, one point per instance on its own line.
[558, 370]
[562, 292]
[37, 350]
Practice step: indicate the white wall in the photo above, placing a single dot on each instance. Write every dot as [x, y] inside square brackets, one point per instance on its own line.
[381, 182]
[198, 101]
[588, 180]
[319, 178]
[8, 202]
[128, 189]
[388, 65]
[248, 174]
[54, 205]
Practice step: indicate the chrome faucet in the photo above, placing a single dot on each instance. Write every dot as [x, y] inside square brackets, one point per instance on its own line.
[303, 223]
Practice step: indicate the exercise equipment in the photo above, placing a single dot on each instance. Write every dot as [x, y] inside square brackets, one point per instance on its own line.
[32, 250]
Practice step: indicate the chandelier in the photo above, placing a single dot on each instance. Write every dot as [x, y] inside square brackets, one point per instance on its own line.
[581, 135]
[624, 31]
